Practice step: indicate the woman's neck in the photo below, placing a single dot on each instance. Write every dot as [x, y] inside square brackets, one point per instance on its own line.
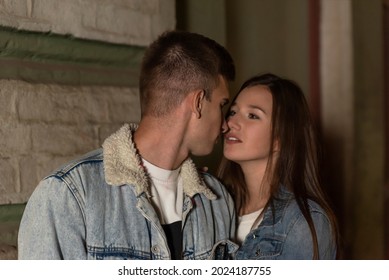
[258, 187]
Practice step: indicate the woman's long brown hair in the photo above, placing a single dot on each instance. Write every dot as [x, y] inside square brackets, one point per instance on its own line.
[296, 166]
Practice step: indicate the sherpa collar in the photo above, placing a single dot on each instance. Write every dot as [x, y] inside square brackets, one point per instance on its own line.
[123, 165]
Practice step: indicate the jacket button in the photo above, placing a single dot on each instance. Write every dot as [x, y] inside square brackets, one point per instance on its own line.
[155, 249]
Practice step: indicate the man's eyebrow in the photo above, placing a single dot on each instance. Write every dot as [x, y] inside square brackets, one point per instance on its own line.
[225, 101]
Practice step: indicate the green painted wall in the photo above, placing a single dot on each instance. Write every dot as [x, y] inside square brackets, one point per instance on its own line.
[10, 216]
[50, 58]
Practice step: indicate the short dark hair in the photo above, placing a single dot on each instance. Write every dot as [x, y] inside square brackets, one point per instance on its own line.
[177, 63]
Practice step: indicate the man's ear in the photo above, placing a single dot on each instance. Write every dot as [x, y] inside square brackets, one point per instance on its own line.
[197, 102]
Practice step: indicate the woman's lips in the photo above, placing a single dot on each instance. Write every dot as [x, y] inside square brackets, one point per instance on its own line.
[231, 139]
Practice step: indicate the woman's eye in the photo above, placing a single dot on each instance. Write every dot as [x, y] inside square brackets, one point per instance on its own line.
[231, 113]
[252, 116]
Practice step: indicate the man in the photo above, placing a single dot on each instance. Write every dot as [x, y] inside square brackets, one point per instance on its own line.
[140, 196]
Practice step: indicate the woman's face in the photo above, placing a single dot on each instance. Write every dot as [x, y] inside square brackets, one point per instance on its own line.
[249, 122]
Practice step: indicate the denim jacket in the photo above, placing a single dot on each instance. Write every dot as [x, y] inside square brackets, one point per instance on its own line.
[98, 207]
[286, 234]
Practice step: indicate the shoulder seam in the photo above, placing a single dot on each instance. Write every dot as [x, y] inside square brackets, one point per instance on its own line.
[94, 156]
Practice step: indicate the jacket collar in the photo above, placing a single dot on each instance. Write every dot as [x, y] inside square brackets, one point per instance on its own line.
[123, 165]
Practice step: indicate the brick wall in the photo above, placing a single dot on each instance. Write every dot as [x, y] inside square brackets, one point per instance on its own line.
[43, 125]
[134, 22]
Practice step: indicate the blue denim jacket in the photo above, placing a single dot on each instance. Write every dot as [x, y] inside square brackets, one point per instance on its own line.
[98, 207]
[286, 234]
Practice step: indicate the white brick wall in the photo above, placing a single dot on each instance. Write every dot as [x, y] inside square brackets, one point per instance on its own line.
[133, 22]
[43, 126]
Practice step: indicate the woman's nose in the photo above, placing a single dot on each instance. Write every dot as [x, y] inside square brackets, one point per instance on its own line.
[232, 123]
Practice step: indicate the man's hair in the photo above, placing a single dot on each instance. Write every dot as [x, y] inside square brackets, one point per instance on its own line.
[177, 63]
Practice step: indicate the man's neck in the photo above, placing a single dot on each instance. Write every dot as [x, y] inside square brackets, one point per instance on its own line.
[160, 142]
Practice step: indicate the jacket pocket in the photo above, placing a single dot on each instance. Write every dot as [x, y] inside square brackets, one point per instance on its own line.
[265, 248]
[223, 250]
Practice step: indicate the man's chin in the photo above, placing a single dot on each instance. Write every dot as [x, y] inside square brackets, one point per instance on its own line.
[202, 153]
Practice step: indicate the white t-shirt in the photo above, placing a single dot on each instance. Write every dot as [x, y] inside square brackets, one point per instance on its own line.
[166, 192]
[167, 198]
[246, 223]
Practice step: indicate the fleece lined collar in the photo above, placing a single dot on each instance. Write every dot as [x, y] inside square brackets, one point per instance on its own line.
[123, 165]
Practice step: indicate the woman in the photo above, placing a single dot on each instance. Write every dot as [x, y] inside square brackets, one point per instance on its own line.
[270, 166]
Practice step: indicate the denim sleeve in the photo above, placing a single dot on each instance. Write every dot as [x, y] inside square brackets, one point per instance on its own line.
[52, 226]
[298, 243]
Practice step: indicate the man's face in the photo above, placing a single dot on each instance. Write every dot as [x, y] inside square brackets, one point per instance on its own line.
[211, 121]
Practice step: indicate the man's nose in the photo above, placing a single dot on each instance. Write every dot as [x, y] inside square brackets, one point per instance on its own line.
[232, 123]
[224, 126]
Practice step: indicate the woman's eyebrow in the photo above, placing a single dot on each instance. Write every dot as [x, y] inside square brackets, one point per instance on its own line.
[257, 108]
